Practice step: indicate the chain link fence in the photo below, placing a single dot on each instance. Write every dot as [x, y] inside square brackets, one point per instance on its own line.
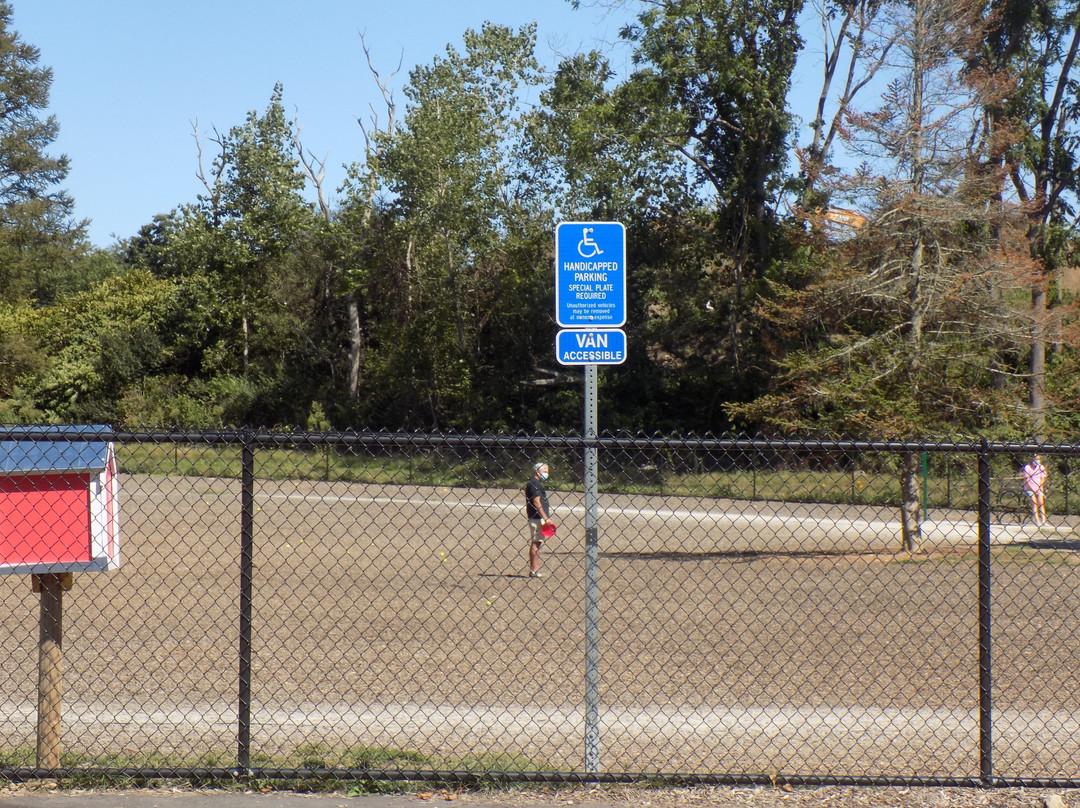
[359, 606]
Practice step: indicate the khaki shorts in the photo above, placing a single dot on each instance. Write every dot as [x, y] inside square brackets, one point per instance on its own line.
[535, 536]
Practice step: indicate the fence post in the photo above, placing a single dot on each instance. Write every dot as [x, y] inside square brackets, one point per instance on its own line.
[986, 740]
[51, 587]
[247, 540]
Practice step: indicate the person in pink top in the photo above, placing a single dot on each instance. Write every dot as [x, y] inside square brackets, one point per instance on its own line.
[1034, 478]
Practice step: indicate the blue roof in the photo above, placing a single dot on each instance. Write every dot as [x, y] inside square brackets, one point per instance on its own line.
[55, 457]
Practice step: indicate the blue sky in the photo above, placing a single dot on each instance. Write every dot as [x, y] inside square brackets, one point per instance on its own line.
[132, 77]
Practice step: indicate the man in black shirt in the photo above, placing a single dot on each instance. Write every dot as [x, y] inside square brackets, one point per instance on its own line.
[536, 508]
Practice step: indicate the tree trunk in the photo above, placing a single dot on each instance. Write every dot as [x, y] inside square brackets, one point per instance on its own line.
[1037, 365]
[245, 350]
[356, 345]
[910, 516]
[455, 295]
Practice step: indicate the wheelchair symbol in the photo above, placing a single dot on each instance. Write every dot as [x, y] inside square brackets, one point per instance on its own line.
[587, 248]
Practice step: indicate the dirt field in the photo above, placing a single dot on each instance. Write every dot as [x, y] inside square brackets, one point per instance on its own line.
[735, 637]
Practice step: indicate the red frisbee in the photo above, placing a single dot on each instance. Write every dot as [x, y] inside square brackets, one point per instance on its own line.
[548, 530]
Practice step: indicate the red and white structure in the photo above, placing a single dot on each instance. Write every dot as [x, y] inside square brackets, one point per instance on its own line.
[59, 509]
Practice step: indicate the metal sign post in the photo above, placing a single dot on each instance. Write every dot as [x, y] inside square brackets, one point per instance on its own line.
[590, 305]
[592, 582]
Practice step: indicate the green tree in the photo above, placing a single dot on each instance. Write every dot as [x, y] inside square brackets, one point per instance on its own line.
[251, 219]
[95, 345]
[590, 158]
[1034, 48]
[592, 161]
[249, 257]
[711, 82]
[21, 358]
[696, 140]
[38, 235]
[454, 241]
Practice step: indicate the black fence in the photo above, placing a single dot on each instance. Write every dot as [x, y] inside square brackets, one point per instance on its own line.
[358, 606]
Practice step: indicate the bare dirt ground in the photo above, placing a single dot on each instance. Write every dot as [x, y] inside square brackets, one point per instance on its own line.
[735, 638]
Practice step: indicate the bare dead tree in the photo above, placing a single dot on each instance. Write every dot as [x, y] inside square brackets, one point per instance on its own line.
[315, 169]
[316, 172]
[862, 48]
[371, 147]
[212, 181]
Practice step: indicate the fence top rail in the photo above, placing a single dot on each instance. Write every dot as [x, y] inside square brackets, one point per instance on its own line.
[57, 433]
[304, 439]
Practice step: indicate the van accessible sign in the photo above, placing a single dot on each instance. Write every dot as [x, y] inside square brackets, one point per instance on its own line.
[590, 275]
[581, 346]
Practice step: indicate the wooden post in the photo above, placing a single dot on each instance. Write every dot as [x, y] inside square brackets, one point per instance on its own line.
[51, 587]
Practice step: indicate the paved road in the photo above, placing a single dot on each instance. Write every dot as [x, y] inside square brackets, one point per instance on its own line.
[182, 798]
[189, 799]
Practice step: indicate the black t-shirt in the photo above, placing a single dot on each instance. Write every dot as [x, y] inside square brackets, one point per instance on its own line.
[534, 488]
